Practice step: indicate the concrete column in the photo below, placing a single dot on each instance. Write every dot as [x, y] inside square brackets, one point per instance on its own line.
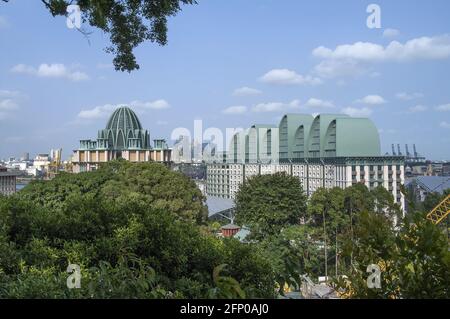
[386, 176]
[366, 175]
[348, 176]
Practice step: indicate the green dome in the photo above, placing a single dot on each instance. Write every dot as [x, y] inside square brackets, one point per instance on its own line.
[124, 132]
[123, 119]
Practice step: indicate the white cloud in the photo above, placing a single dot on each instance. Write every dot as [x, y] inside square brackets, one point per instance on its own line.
[54, 70]
[313, 102]
[443, 107]
[155, 105]
[269, 107]
[355, 59]
[77, 76]
[391, 33]
[239, 109]
[339, 68]
[372, 100]
[444, 124]
[246, 91]
[437, 47]
[97, 112]
[418, 108]
[276, 106]
[357, 112]
[9, 94]
[8, 105]
[22, 68]
[408, 96]
[288, 77]
[104, 111]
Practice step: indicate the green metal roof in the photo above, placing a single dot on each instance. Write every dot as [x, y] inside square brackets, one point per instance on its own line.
[289, 125]
[124, 119]
[357, 137]
[323, 136]
[319, 127]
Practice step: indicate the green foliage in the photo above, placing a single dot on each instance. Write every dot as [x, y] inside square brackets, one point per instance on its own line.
[415, 260]
[423, 261]
[347, 230]
[292, 254]
[139, 231]
[128, 23]
[268, 203]
[118, 184]
[226, 287]
[133, 230]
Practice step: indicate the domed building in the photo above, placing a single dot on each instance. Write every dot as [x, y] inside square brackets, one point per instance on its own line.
[124, 138]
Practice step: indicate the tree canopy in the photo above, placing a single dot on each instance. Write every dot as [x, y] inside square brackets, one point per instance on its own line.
[340, 232]
[267, 203]
[127, 22]
[134, 230]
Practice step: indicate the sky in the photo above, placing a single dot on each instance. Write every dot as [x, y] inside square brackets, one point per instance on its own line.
[231, 64]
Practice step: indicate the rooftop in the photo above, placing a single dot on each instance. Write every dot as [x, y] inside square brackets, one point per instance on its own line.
[218, 205]
[437, 184]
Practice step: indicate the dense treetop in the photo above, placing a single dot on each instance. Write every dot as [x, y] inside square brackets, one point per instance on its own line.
[134, 231]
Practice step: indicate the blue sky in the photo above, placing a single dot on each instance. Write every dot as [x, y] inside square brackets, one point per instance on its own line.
[232, 64]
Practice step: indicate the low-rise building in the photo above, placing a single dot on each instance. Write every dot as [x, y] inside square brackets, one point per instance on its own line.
[7, 181]
[421, 186]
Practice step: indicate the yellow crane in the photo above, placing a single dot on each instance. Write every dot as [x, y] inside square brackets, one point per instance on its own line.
[440, 212]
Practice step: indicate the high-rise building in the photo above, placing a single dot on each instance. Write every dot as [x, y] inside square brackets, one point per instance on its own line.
[25, 156]
[323, 151]
[56, 154]
[124, 138]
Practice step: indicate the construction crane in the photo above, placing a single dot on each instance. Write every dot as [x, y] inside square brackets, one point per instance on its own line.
[440, 212]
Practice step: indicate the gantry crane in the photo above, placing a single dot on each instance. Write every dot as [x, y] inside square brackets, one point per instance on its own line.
[441, 211]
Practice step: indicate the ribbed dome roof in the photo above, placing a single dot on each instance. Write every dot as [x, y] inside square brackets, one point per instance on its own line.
[124, 119]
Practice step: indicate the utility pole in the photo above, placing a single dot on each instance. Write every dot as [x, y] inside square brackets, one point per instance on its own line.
[336, 261]
[325, 247]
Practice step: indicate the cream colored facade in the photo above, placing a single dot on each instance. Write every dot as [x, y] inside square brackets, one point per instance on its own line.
[88, 160]
[224, 179]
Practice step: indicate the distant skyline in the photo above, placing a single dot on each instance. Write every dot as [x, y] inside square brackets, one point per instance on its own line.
[232, 64]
